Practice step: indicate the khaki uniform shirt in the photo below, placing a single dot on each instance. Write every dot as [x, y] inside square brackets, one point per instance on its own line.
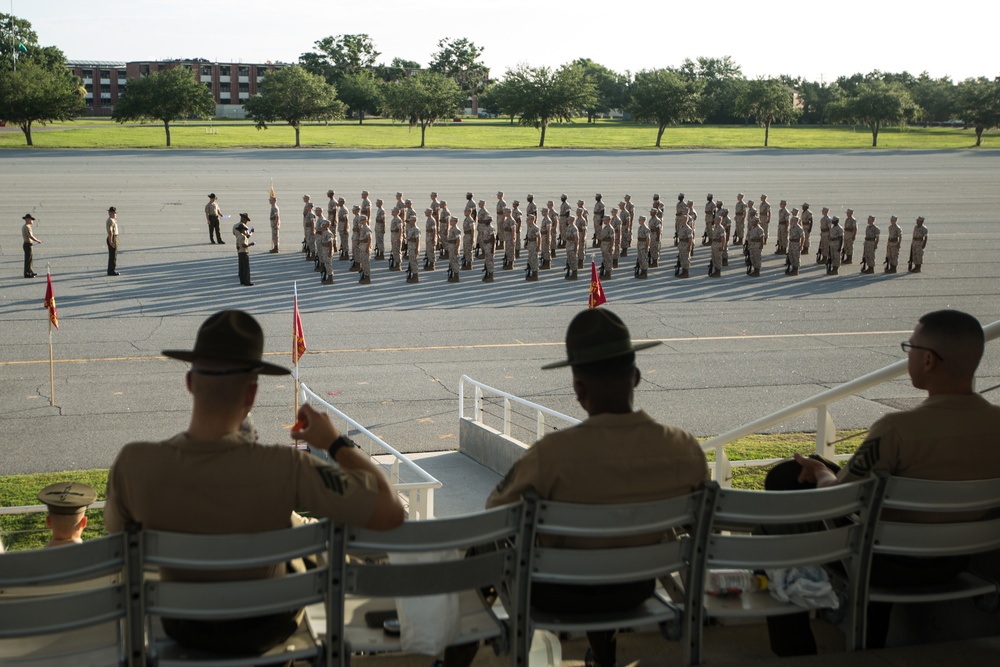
[227, 486]
[608, 458]
[212, 208]
[275, 217]
[740, 210]
[112, 228]
[764, 211]
[949, 437]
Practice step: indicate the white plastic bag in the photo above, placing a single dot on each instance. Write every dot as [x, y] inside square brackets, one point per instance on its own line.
[427, 623]
[808, 587]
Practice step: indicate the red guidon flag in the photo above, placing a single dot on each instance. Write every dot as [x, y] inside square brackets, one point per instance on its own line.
[298, 337]
[50, 302]
[596, 291]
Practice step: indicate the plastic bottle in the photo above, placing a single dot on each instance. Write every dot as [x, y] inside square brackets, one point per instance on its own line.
[731, 583]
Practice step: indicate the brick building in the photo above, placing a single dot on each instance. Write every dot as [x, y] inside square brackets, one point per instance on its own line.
[230, 83]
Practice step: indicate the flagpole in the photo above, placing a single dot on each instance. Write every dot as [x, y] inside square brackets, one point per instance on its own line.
[295, 356]
[52, 379]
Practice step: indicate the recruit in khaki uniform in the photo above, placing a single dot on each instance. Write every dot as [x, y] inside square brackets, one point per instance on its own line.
[355, 231]
[577, 464]
[625, 240]
[468, 237]
[850, 228]
[570, 240]
[581, 240]
[871, 244]
[365, 251]
[598, 219]
[642, 249]
[564, 213]
[508, 230]
[717, 237]
[307, 210]
[545, 238]
[488, 241]
[515, 213]
[807, 226]
[823, 254]
[782, 247]
[379, 230]
[836, 244]
[413, 249]
[685, 243]
[764, 211]
[795, 240]
[740, 216]
[395, 241]
[444, 223]
[343, 229]
[531, 235]
[893, 240]
[606, 239]
[754, 247]
[453, 240]
[616, 241]
[430, 240]
[710, 208]
[917, 245]
[326, 249]
[318, 237]
[655, 230]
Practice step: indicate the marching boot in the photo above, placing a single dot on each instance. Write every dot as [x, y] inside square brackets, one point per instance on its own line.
[273, 250]
[488, 278]
[432, 266]
[452, 277]
[684, 274]
[915, 269]
[532, 277]
[507, 266]
[755, 273]
[570, 274]
[579, 264]
[832, 271]
[849, 259]
[725, 260]
[655, 263]
[614, 263]
[594, 243]
[552, 252]
[891, 268]
[624, 252]
[793, 272]
[366, 279]
[412, 277]
[546, 263]
[642, 275]
[327, 281]
[717, 273]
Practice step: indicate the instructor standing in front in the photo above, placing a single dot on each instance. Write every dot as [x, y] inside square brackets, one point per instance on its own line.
[112, 240]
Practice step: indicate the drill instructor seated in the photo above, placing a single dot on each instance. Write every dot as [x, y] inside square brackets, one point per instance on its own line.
[209, 479]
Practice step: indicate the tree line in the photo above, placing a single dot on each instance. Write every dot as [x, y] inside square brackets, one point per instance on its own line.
[341, 77]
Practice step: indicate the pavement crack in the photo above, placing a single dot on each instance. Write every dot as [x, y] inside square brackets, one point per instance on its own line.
[438, 381]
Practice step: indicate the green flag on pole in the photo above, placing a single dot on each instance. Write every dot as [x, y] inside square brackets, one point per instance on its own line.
[21, 47]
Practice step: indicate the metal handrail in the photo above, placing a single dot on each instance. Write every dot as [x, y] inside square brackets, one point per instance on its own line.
[418, 496]
[477, 407]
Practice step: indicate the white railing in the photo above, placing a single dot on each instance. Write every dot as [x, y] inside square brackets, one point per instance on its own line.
[533, 412]
[414, 485]
[722, 467]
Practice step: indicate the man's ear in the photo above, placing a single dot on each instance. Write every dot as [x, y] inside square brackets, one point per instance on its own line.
[580, 389]
[251, 395]
[187, 381]
[638, 378]
[83, 522]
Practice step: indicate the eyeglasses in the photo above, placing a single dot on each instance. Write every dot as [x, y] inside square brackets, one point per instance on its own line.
[907, 346]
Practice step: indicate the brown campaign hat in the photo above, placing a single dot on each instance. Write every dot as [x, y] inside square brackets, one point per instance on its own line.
[230, 335]
[28, 216]
[597, 334]
[67, 498]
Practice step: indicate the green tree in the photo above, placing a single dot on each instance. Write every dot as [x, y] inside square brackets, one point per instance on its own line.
[544, 95]
[612, 88]
[361, 92]
[337, 55]
[17, 40]
[767, 101]
[36, 94]
[461, 60]
[398, 69]
[164, 96]
[816, 99]
[978, 102]
[502, 98]
[937, 97]
[423, 99]
[665, 97]
[293, 95]
[723, 82]
[875, 104]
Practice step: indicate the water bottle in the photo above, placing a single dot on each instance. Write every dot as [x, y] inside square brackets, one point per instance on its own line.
[732, 583]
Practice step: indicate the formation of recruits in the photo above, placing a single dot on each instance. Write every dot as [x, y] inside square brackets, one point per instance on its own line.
[540, 232]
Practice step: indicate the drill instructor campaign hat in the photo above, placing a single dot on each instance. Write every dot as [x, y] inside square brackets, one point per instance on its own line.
[595, 335]
[230, 335]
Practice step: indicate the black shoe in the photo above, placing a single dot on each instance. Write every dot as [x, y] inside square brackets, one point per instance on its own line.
[221, 242]
[211, 241]
[113, 273]
[247, 284]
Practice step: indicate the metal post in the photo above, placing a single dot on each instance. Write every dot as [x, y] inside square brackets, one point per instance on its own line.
[826, 432]
[540, 429]
[477, 405]
[506, 416]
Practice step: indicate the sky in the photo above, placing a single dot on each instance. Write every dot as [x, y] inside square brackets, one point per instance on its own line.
[818, 41]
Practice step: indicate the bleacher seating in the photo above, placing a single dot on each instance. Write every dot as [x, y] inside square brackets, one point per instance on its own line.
[40, 591]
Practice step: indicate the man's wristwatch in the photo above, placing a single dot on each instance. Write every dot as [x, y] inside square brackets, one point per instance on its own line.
[336, 445]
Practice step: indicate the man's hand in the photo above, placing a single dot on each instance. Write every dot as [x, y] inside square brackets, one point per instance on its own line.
[815, 472]
[315, 427]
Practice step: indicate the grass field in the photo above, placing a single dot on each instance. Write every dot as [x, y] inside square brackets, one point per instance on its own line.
[484, 134]
[27, 531]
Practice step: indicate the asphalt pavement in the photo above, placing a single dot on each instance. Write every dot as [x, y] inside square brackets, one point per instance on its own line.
[391, 354]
